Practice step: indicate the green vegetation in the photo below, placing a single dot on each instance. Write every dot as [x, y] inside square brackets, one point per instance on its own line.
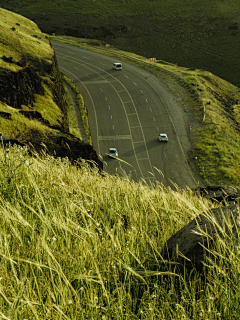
[79, 245]
[24, 45]
[22, 40]
[81, 107]
[192, 33]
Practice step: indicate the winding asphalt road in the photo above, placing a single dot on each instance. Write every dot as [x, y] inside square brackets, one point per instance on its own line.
[127, 110]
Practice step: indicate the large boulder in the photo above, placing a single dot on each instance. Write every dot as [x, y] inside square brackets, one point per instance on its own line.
[187, 245]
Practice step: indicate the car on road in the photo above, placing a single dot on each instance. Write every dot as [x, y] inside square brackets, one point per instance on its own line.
[112, 153]
[163, 137]
[117, 66]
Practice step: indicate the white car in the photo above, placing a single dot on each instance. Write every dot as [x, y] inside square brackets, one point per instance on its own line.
[163, 137]
[112, 153]
[117, 66]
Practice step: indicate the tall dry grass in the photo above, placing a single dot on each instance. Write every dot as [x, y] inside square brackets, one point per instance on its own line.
[78, 244]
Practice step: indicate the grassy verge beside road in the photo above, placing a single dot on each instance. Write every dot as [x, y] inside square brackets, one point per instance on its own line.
[80, 106]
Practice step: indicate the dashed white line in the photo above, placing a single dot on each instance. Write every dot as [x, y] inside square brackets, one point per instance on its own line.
[111, 116]
[127, 102]
[135, 83]
[101, 90]
[157, 129]
[131, 114]
[125, 76]
[106, 98]
[135, 127]
[138, 141]
[86, 75]
[70, 52]
[151, 109]
[141, 91]
[154, 119]
[146, 100]
[109, 107]
[113, 127]
[85, 57]
[75, 68]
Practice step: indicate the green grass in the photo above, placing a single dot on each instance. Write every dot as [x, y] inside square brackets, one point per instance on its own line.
[22, 40]
[197, 34]
[80, 106]
[67, 252]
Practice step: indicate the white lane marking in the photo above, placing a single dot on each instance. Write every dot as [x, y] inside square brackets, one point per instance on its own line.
[85, 57]
[154, 119]
[157, 129]
[127, 102]
[135, 127]
[150, 109]
[141, 91]
[138, 141]
[86, 75]
[101, 89]
[75, 68]
[106, 98]
[135, 83]
[131, 114]
[125, 76]
[121, 91]
[111, 116]
[146, 100]
[119, 137]
[70, 52]
[113, 127]
[165, 154]
[109, 107]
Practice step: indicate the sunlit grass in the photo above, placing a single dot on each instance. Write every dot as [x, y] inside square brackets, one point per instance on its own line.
[78, 244]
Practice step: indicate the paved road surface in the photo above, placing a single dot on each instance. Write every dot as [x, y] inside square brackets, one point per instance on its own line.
[127, 110]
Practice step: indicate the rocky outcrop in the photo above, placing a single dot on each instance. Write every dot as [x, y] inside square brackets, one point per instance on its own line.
[219, 193]
[19, 88]
[187, 246]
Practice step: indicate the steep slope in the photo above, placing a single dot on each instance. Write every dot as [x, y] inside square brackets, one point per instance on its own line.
[33, 106]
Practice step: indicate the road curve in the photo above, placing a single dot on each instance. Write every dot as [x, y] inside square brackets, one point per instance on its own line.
[127, 110]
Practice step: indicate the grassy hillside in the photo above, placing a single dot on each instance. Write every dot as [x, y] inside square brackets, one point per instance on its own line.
[30, 83]
[195, 34]
[78, 245]
[23, 42]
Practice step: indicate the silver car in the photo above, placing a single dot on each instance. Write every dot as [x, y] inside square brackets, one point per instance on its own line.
[163, 137]
[117, 66]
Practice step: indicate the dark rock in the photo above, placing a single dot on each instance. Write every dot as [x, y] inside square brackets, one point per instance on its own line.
[9, 141]
[187, 245]
[7, 59]
[6, 115]
[221, 193]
